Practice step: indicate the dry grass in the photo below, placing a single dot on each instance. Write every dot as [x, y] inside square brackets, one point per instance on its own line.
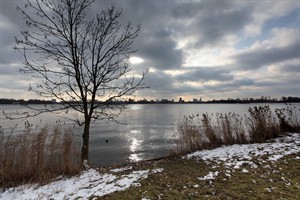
[231, 128]
[189, 136]
[197, 133]
[179, 180]
[289, 118]
[205, 132]
[262, 124]
[37, 157]
[209, 131]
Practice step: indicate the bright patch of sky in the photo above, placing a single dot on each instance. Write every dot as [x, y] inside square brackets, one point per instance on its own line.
[136, 60]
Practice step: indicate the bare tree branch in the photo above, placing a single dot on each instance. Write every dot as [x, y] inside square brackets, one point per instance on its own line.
[79, 61]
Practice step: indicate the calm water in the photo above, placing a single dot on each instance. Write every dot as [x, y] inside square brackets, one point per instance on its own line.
[148, 131]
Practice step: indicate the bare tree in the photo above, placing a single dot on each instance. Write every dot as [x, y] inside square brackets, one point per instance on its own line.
[81, 62]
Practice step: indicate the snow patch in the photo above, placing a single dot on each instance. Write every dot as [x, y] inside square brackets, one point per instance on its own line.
[121, 169]
[209, 176]
[236, 156]
[89, 183]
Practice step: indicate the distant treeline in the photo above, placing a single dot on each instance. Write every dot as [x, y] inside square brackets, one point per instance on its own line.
[283, 100]
[22, 102]
[163, 101]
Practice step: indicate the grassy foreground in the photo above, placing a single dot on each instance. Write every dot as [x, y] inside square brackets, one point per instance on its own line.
[183, 179]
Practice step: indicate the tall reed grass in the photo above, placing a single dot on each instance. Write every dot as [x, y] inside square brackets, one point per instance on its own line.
[197, 132]
[289, 118]
[37, 156]
[262, 124]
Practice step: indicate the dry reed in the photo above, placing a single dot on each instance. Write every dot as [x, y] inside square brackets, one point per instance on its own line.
[37, 157]
[197, 133]
[262, 124]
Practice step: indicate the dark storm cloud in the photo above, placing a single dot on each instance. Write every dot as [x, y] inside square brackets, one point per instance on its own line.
[205, 74]
[254, 59]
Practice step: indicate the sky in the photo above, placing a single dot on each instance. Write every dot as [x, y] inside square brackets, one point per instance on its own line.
[209, 49]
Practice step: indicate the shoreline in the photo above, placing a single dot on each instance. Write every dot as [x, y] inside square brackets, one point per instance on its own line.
[265, 170]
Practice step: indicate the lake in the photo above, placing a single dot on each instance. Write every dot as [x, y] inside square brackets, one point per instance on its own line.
[147, 131]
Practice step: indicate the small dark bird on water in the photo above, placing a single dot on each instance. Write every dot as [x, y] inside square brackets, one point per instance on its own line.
[106, 141]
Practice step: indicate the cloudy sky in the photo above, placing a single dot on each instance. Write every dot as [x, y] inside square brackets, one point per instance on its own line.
[192, 48]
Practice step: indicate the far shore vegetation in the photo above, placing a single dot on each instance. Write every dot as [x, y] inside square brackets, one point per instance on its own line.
[263, 99]
[38, 156]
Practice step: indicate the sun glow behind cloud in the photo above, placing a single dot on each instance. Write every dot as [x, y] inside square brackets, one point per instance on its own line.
[135, 60]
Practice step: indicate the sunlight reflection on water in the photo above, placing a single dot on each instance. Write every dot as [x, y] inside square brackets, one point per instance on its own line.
[135, 131]
[135, 144]
[136, 157]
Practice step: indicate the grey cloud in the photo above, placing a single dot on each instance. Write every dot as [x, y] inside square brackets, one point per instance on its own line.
[155, 44]
[9, 70]
[15, 81]
[158, 81]
[283, 82]
[232, 85]
[211, 21]
[186, 89]
[255, 59]
[165, 84]
[243, 82]
[205, 74]
[159, 51]
[290, 68]
[6, 56]
[214, 28]
[187, 10]
[280, 87]
[9, 24]
[12, 20]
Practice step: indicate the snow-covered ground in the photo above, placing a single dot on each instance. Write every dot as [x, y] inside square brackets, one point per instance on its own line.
[92, 183]
[235, 157]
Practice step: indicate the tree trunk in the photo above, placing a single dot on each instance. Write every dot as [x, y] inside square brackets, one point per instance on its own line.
[85, 141]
